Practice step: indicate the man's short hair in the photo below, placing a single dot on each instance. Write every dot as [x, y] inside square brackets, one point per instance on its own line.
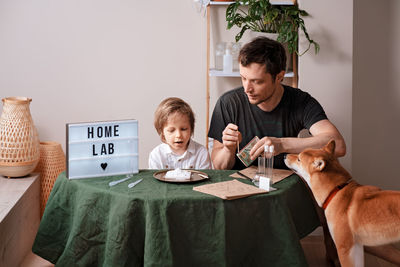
[265, 51]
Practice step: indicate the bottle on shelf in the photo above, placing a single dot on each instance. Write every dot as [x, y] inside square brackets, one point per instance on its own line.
[228, 62]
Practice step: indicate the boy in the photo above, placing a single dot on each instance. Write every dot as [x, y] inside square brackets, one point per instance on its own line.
[174, 122]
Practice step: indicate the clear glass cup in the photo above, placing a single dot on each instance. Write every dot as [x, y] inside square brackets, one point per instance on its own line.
[260, 171]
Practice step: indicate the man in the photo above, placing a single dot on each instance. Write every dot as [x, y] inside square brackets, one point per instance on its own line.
[276, 113]
[265, 108]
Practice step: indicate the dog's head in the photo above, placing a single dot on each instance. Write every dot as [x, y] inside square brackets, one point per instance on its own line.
[311, 161]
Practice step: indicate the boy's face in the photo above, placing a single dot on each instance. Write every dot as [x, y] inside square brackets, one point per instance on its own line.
[177, 132]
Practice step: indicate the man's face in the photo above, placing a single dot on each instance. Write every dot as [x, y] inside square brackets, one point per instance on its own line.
[258, 85]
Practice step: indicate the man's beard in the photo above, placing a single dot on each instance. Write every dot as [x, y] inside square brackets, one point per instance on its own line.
[257, 102]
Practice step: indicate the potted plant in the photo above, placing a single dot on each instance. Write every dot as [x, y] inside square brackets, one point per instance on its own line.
[262, 16]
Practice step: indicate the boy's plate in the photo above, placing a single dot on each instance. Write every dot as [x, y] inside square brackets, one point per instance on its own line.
[194, 177]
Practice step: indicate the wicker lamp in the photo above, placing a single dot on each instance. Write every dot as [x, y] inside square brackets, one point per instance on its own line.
[51, 164]
[19, 141]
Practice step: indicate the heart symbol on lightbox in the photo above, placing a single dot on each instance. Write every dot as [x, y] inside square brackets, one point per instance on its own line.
[103, 166]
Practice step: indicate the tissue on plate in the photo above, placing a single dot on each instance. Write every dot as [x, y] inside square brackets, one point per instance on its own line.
[178, 174]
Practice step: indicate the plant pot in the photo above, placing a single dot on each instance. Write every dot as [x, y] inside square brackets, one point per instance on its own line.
[51, 164]
[19, 141]
[270, 35]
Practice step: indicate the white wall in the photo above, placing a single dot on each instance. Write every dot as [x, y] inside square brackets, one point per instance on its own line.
[105, 60]
[328, 75]
[102, 60]
[356, 79]
[376, 93]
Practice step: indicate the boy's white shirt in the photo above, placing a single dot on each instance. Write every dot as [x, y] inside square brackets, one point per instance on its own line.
[196, 156]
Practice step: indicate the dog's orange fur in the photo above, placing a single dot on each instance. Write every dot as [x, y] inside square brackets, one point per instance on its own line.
[357, 215]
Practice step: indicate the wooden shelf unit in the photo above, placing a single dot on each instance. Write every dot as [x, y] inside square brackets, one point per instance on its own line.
[218, 73]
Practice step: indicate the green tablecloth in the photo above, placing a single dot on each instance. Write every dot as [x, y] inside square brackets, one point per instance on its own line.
[88, 223]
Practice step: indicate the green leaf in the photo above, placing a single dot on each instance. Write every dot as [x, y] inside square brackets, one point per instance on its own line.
[240, 34]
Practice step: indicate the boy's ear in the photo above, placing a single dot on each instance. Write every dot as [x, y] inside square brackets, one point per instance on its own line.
[162, 137]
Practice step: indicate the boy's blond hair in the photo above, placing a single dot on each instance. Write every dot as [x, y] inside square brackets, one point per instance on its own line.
[166, 108]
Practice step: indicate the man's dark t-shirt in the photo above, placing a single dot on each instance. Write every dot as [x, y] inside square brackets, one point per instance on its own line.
[296, 111]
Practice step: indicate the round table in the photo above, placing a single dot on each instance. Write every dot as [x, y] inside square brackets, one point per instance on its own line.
[88, 223]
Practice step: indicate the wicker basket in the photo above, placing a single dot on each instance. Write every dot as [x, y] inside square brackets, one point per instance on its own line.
[51, 164]
[19, 141]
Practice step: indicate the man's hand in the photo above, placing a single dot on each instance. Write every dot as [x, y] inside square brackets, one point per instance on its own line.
[223, 154]
[258, 148]
[231, 137]
[321, 132]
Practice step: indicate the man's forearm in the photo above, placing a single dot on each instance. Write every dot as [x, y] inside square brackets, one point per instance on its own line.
[321, 133]
[296, 145]
[222, 158]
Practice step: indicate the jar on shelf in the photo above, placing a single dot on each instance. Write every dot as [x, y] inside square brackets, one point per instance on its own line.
[219, 55]
[235, 55]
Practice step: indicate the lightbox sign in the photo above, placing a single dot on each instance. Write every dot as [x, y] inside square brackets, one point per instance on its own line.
[102, 148]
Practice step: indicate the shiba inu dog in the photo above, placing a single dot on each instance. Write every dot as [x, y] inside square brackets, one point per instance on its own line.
[357, 215]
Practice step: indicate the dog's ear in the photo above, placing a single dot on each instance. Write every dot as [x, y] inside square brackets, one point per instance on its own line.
[330, 147]
[319, 164]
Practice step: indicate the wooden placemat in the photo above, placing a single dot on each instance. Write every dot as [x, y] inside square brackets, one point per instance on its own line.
[278, 174]
[230, 189]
